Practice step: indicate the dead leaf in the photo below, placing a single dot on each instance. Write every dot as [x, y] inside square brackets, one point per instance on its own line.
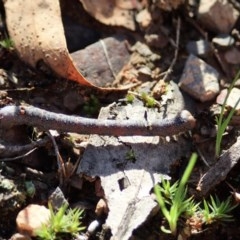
[112, 12]
[37, 32]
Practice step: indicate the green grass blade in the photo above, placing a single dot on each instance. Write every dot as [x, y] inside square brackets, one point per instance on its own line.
[222, 125]
[161, 202]
[180, 195]
[186, 175]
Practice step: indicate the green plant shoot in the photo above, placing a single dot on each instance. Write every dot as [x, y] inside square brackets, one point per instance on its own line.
[179, 203]
[6, 43]
[215, 210]
[92, 106]
[221, 122]
[61, 222]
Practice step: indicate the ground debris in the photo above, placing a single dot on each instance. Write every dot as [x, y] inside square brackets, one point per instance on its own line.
[128, 168]
[220, 170]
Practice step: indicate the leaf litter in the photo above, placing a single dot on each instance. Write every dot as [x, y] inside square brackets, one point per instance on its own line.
[127, 166]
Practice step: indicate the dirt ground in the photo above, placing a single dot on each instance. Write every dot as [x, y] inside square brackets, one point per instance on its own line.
[40, 87]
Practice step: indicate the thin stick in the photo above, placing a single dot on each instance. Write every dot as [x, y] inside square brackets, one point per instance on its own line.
[220, 170]
[60, 162]
[107, 58]
[17, 157]
[11, 151]
[29, 115]
[170, 69]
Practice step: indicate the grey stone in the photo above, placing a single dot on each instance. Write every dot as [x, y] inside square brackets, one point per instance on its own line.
[200, 47]
[57, 198]
[223, 40]
[218, 16]
[232, 56]
[199, 79]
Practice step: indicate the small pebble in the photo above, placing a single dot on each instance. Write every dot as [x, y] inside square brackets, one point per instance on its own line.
[199, 79]
[13, 78]
[145, 71]
[57, 198]
[200, 48]
[93, 226]
[223, 40]
[232, 56]
[236, 196]
[217, 16]
[144, 74]
[81, 237]
[101, 207]
[31, 218]
[232, 98]
[19, 236]
[144, 18]
[156, 40]
[2, 81]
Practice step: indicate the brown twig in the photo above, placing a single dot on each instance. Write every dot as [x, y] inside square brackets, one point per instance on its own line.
[29, 115]
[176, 45]
[18, 157]
[158, 86]
[170, 69]
[60, 162]
[220, 170]
[9, 151]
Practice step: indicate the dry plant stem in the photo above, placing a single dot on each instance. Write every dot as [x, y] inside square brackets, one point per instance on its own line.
[10, 151]
[29, 115]
[197, 27]
[60, 162]
[170, 69]
[107, 57]
[202, 157]
[18, 157]
[220, 170]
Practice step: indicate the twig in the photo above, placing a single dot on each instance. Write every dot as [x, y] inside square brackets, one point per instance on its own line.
[158, 85]
[10, 151]
[220, 170]
[60, 162]
[170, 69]
[107, 58]
[197, 27]
[29, 115]
[202, 157]
[17, 157]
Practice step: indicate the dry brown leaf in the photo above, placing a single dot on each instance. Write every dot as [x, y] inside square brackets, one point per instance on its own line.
[37, 32]
[112, 12]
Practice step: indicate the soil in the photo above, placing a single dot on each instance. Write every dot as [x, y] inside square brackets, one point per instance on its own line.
[21, 84]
